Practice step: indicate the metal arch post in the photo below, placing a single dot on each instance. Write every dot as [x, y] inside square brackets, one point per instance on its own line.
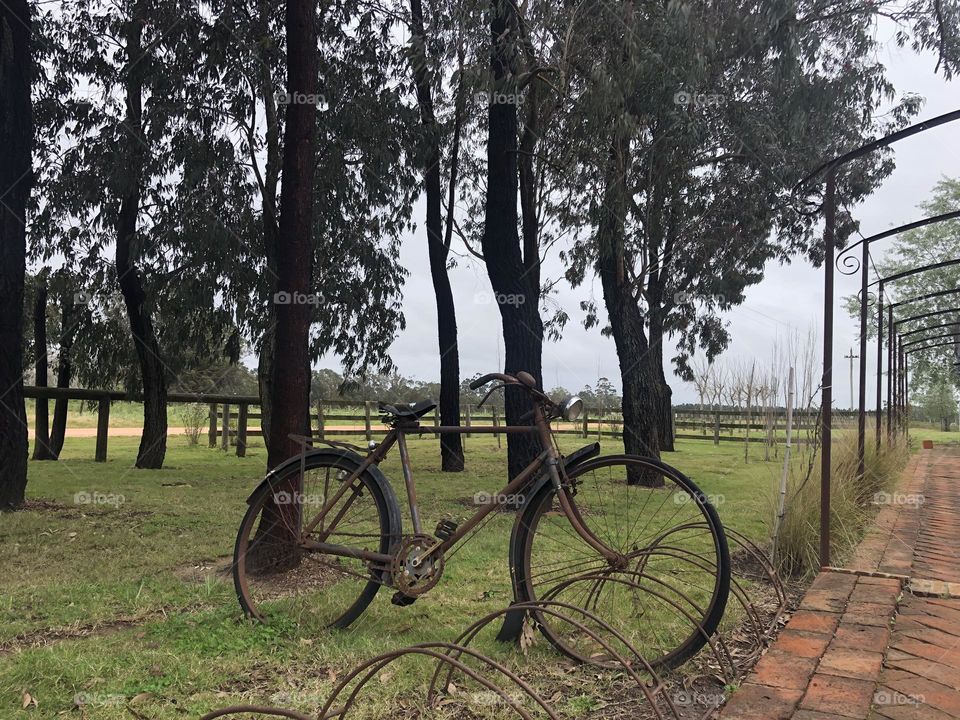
[862, 389]
[891, 347]
[826, 397]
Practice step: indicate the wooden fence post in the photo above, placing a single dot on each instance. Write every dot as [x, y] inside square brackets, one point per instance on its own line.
[496, 424]
[366, 419]
[321, 420]
[468, 420]
[212, 431]
[242, 431]
[716, 428]
[103, 429]
[586, 423]
[225, 436]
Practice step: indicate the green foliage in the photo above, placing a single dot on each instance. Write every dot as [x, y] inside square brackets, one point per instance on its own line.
[725, 108]
[928, 245]
[851, 503]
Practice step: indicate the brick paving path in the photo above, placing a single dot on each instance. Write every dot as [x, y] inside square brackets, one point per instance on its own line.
[879, 640]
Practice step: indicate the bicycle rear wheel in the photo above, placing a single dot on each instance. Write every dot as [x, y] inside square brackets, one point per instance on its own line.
[276, 576]
[668, 594]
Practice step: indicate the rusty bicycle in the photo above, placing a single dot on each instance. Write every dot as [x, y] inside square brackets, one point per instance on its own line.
[629, 538]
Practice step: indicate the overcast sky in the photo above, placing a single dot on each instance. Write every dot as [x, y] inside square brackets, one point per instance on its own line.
[788, 301]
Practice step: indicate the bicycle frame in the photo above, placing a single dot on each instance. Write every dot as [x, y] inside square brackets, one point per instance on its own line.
[397, 436]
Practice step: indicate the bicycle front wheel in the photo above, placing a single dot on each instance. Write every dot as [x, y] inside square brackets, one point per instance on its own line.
[278, 571]
[667, 593]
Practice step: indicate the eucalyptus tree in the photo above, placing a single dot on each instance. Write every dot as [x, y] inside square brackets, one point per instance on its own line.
[363, 180]
[428, 74]
[688, 129]
[16, 143]
[140, 166]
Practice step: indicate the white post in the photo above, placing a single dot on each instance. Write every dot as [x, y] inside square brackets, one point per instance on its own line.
[781, 502]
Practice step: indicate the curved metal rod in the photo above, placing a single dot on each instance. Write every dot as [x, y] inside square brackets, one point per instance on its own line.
[736, 589]
[925, 296]
[914, 271]
[847, 264]
[921, 316]
[259, 709]
[882, 142]
[931, 347]
[372, 666]
[928, 339]
[649, 688]
[954, 323]
[610, 577]
[843, 258]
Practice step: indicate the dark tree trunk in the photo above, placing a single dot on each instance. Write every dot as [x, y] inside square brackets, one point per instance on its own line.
[153, 441]
[271, 180]
[291, 375]
[451, 446]
[291, 378]
[64, 375]
[68, 329]
[16, 178]
[41, 433]
[639, 406]
[664, 394]
[515, 295]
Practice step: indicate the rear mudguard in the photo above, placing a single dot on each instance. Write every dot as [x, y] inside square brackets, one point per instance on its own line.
[348, 460]
[513, 621]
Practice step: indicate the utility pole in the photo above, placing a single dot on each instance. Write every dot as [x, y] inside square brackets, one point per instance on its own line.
[851, 357]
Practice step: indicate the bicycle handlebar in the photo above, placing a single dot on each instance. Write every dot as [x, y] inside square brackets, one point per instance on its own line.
[489, 377]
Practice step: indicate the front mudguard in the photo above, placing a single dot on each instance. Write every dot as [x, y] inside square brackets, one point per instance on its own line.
[513, 621]
[347, 460]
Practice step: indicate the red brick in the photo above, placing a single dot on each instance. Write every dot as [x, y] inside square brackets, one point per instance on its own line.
[928, 692]
[783, 670]
[835, 581]
[824, 600]
[814, 621]
[851, 663]
[862, 637]
[760, 702]
[891, 583]
[802, 644]
[842, 696]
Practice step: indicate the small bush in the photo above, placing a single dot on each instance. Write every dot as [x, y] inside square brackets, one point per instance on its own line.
[194, 417]
[851, 502]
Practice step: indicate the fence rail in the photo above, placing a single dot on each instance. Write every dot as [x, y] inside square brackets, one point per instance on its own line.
[229, 419]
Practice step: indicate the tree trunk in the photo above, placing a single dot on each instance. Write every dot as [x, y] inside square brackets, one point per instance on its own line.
[451, 445]
[16, 178]
[41, 434]
[64, 375]
[291, 377]
[516, 297]
[269, 220]
[153, 441]
[640, 400]
[663, 413]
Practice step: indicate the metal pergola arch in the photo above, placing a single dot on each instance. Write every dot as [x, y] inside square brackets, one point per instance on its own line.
[826, 412]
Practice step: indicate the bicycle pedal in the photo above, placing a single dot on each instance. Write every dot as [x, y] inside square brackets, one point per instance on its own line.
[402, 600]
[445, 529]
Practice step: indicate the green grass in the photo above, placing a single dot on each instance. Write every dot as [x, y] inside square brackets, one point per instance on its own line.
[113, 600]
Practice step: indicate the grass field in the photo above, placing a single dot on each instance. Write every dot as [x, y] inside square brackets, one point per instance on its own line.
[113, 600]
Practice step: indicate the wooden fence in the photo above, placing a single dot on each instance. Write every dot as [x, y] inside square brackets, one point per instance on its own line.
[230, 421]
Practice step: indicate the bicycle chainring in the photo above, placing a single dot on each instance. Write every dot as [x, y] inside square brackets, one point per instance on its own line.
[412, 575]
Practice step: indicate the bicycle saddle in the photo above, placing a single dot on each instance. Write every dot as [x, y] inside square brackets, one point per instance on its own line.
[404, 411]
